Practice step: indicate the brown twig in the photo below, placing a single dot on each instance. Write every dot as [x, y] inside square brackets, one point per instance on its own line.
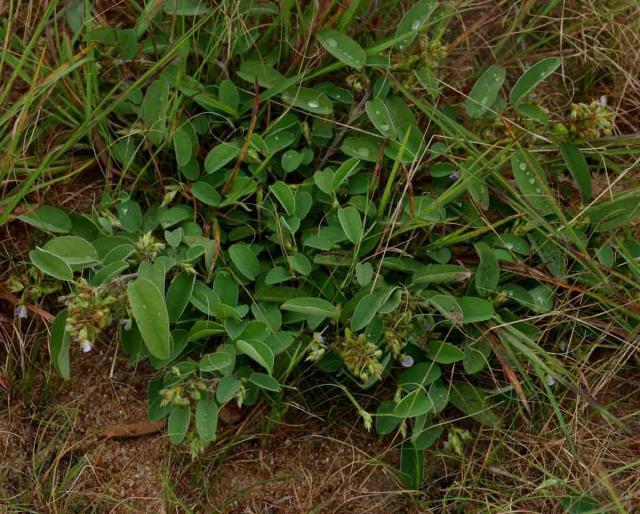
[247, 141]
[128, 430]
[6, 295]
[500, 352]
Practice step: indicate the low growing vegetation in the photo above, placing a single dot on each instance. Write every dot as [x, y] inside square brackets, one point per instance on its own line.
[301, 199]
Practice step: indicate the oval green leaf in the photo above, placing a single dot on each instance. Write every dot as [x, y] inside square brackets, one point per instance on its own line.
[351, 223]
[441, 274]
[488, 271]
[475, 309]
[285, 196]
[51, 264]
[219, 156]
[49, 219]
[59, 345]
[342, 47]
[413, 21]
[73, 250]
[245, 260]
[178, 423]
[531, 180]
[414, 404]
[314, 307]
[578, 167]
[207, 419]
[258, 351]
[150, 312]
[531, 78]
[264, 381]
[380, 117]
[365, 311]
[485, 91]
[443, 352]
[309, 100]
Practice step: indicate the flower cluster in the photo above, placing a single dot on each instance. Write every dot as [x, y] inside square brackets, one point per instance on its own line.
[591, 121]
[396, 335]
[432, 51]
[89, 312]
[360, 356]
[457, 439]
[317, 348]
[183, 393]
[148, 247]
[357, 82]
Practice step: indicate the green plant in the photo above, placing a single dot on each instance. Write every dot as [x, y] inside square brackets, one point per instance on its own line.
[284, 217]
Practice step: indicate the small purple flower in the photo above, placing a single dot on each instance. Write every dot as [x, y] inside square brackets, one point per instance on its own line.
[406, 361]
[551, 380]
[126, 323]
[87, 347]
[21, 311]
[602, 100]
[454, 176]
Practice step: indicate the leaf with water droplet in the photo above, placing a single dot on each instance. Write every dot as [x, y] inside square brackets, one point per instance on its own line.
[291, 160]
[342, 47]
[542, 297]
[309, 100]
[485, 91]
[414, 20]
[364, 148]
[531, 78]
[380, 117]
[531, 180]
